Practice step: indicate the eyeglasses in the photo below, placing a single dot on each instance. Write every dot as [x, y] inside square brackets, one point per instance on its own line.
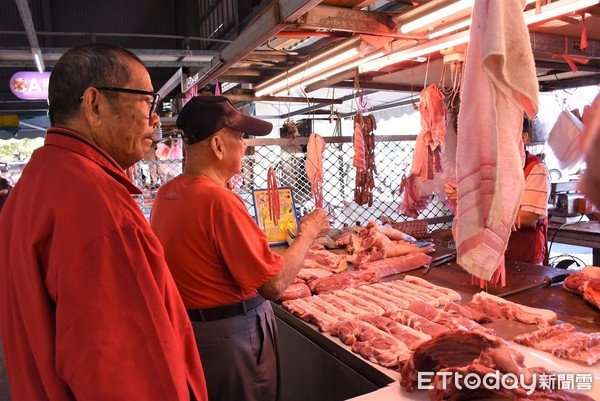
[153, 103]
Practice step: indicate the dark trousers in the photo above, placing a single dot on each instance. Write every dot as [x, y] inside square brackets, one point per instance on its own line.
[239, 356]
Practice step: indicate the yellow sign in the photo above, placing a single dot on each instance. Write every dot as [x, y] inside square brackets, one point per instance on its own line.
[287, 219]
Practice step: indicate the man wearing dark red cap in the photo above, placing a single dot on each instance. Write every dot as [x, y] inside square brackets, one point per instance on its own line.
[219, 257]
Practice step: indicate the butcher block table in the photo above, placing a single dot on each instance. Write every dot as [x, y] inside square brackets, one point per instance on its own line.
[317, 366]
[585, 233]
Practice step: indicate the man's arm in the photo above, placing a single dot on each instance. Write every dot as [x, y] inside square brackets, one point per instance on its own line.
[312, 225]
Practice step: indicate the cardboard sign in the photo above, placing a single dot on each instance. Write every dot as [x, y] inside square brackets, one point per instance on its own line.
[276, 234]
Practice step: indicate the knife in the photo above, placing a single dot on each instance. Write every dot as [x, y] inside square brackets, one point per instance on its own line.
[547, 282]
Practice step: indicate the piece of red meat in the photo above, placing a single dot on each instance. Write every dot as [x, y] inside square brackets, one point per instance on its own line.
[295, 291]
[453, 348]
[591, 292]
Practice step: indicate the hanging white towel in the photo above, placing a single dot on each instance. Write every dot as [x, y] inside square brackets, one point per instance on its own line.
[500, 83]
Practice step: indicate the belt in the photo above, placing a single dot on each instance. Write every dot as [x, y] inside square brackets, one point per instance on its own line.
[223, 312]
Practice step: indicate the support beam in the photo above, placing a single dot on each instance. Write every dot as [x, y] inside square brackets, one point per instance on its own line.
[243, 96]
[589, 80]
[563, 66]
[25, 12]
[542, 43]
[380, 86]
[349, 20]
[274, 18]
[171, 84]
[332, 80]
[327, 102]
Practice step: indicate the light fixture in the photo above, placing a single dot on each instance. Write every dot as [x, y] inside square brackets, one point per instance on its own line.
[416, 51]
[336, 70]
[547, 12]
[451, 28]
[37, 57]
[316, 66]
[556, 9]
[437, 15]
[458, 26]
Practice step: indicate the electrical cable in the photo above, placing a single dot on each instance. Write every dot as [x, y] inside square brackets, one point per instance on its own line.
[556, 232]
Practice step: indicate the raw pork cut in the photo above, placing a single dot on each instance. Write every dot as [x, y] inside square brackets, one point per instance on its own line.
[400, 264]
[575, 281]
[453, 348]
[372, 343]
[564, 342]
[447, 319]
[318, 257]
[494, 306]
[309, 312]
[468, 312]
[504, 363]
[416, 321]
[591, 292]
[343, 280]
[409, 336]
[294, 291]
[585, 283]
[453, 295]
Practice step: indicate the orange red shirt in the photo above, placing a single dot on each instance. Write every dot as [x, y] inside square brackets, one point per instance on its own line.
[217, 253]
[88, 308]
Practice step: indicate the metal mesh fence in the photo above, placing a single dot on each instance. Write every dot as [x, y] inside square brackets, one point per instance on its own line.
[393, 157]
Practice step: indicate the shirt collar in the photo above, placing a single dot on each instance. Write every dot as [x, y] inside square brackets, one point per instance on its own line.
[77, 143]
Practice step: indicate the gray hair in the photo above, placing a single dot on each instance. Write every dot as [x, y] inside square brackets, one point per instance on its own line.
[93, 64]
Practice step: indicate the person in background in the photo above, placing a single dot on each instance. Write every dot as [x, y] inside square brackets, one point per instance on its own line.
[88, 307]
[5, 189]
[529, 240]
[590, 184]
[219, 256]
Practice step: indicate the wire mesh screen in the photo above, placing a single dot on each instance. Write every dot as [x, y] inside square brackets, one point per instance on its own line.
[393, 158]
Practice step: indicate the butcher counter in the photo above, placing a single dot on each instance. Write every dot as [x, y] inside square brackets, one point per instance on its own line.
[317, 366]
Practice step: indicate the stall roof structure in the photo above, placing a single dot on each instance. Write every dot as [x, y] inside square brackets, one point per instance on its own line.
[306, 54]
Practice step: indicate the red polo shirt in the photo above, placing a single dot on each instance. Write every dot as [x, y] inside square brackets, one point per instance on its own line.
[217, 253]
[88, 308]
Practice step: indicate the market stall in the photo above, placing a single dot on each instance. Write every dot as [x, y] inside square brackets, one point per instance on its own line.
[319, 366]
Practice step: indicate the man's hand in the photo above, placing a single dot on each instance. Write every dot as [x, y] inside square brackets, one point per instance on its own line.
[315, 223]
[450, 189]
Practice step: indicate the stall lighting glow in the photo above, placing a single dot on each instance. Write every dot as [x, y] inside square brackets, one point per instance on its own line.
[39, 62]
[297, 74]
[337, 70]
[419, 50]
[458, 26]
[454, 27]
[559, 8]
[436, 15]
[547, 12]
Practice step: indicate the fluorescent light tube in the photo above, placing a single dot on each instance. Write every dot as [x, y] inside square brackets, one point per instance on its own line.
[436, 15]
[416, 51]
[37, 57]
[557, 9]
[299, 73]
[547, 12]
